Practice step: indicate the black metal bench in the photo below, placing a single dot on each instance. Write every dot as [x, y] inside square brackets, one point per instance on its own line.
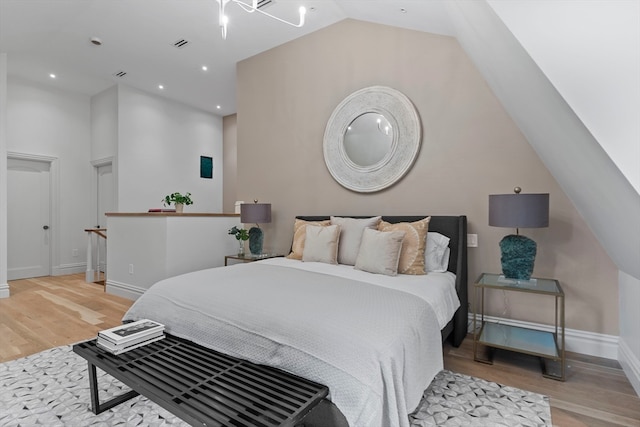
[203, 387]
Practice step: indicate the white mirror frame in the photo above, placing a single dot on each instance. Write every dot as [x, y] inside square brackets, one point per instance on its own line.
[407, 136]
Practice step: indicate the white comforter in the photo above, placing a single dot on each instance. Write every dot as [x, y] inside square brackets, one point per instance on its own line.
[376, 348]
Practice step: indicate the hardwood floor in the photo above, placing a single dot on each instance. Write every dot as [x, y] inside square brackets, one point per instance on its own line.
[48, 312]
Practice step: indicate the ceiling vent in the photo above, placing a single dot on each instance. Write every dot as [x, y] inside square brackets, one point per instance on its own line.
[120, 74]
[180, 43]
[264, 3]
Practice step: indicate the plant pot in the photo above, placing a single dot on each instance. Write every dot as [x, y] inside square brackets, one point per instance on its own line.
[240, 247]
[179, 207]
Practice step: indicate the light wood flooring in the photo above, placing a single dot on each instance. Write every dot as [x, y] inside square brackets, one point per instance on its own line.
[48, 312]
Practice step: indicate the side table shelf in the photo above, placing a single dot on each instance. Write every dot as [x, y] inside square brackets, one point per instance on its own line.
[249, 257]
[547, 345]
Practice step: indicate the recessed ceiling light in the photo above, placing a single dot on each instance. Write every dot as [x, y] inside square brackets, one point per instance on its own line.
[96, 41]
[204, 68]
[218, 107]
[53, 76]
[160, 87]
[403, 10]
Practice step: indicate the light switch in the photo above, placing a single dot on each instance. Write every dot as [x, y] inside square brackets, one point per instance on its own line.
[472, 240]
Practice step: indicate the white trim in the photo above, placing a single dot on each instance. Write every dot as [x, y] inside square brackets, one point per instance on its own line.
[577, 341]
[4, 290]
[630, 364]
[64, 269]
[124, 290]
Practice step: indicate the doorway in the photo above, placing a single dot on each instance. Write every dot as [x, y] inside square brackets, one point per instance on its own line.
[28, 218]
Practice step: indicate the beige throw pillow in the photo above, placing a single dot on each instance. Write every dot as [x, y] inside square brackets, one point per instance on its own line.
[299, 236]
[380, 251]
[412, 253]
[321, 244]
[350, 235]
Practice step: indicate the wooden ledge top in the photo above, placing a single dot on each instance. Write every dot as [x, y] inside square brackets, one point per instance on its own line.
[184, 214]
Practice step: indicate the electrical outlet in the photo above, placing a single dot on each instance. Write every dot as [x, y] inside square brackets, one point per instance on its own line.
[472, 240]
[74, 253]
[130, 268]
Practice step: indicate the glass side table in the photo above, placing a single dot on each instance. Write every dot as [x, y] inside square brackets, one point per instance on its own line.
[249, 257]
[547, 345]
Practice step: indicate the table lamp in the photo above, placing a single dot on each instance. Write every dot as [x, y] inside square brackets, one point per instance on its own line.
[517, 210]
[255, 213]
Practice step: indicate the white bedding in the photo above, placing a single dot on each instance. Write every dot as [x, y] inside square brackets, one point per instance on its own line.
[376, 349]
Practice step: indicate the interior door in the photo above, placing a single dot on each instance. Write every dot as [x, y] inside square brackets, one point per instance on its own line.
[106, 203]
[28, 218]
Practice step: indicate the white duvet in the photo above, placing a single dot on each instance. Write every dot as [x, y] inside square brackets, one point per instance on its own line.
[377, 345]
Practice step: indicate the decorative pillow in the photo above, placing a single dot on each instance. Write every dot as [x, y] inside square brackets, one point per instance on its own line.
[380, 251]
[434, 255]
[321, 244]
[350, 236]
[299, 235]
[415, 239]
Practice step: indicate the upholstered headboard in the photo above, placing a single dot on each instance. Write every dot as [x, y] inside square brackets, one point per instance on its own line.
[455, 228]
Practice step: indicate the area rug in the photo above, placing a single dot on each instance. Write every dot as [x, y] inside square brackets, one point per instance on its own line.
[51, 388]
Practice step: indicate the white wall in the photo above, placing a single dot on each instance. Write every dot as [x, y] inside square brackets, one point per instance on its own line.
[629, 351]
[159, 147]
[4, 287]
[590, 50]
[104, 124]
[44, 121]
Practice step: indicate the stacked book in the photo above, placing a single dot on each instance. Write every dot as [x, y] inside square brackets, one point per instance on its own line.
[130, 335]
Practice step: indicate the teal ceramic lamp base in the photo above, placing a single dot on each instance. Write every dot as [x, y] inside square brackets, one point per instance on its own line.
[518, 256]
[256, 237]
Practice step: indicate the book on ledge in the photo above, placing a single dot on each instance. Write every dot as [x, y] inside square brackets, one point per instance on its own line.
[130, 335]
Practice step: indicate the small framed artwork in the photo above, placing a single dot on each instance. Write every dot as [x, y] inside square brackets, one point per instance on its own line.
[206, 167]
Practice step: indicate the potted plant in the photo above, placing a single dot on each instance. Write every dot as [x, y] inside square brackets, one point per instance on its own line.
[241, 236]
[178, 200]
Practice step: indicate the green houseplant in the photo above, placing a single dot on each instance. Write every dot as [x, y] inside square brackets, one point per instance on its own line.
[241, 236]
[179, 200]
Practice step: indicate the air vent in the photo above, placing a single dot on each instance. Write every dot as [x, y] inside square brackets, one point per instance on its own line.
[179, 44]
[120, 73]
[264, 3]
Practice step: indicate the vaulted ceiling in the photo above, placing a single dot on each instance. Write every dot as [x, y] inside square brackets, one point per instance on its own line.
[43, 37]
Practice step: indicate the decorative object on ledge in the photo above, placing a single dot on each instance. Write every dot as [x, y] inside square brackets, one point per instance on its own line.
[255, 213]
[178, 201]
[372, 139]
[517, 211]
[241, 236]
[223, 19]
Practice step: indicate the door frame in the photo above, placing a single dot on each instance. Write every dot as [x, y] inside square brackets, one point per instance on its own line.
[96, 164]
[54, 209]
[94, 184]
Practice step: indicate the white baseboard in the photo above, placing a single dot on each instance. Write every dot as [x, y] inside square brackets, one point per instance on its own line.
[64, 269]
[124, 290]
[577, 341]
[4, 290]
[630, 364]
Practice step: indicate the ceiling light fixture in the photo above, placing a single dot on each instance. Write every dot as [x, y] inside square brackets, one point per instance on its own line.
[250, 8]
[205, 68]
[53, 76]
[160, 87]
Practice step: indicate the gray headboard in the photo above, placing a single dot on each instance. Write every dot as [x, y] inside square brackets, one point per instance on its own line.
[455, 228]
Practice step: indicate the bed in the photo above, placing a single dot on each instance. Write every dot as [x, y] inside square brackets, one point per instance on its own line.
[375, 340]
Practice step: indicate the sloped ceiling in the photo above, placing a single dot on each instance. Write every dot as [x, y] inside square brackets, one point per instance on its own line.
[589, 177]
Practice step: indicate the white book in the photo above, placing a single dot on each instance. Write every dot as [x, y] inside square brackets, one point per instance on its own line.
[125, 348]
[131, 331]
[141, 338]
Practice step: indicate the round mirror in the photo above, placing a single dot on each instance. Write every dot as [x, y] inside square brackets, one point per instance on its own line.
[372, 139]
[368, 139]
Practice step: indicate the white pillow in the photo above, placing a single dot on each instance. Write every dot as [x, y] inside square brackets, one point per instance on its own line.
[380, 251]
[321, 244]
[436, 254]
[350, 235]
